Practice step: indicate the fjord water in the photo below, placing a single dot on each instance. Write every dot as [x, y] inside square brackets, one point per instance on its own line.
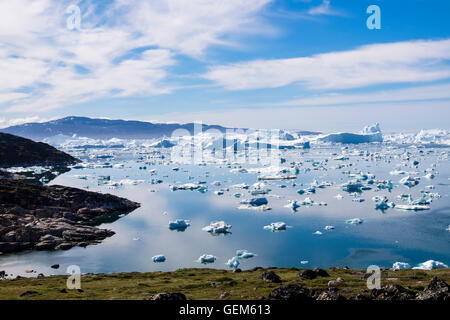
[382, 238]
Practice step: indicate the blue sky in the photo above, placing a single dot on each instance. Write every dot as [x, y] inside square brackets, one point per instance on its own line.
[304, 64]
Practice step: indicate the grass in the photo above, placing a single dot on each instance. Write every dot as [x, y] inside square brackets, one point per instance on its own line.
[202, 284]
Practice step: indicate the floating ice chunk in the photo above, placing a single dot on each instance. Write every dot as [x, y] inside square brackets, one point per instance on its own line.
[448, 228]
[358, 200]
[255, 202]
[328, 228]
[354, 221]
[207, 258]
[164, 143]
[233, 263]
[318, 232]
[241, 186]
[130, 182]
[276, 226]
[277, 177]
[118, 166]
[292, 204]
[304, 262]
[430, 264]
[218, 227]
[352, 186]
[219, 192]
[429, 176]
[187, 186]
[397, 172]
[241, 170]
[216, 183]
[410, 181]
[307, 202]
[338, 196]
[368, 134]
[179, 224]
[159, 258]
[400, 266]
[244, 254]
[413, 207]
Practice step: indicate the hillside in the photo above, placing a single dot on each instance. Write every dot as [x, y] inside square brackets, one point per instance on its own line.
[20, 152]
[101, 129]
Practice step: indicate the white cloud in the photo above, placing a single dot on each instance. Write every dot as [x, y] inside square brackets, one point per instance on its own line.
[42, 59]
[398, 62]
[323, 9]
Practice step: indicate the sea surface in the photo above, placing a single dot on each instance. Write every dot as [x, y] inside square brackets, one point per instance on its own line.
[381, 239]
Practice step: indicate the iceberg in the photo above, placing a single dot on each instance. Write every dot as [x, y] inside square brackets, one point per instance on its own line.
[354, 221]
[430, 264]
[276, 226]
[164, 143]
[409, 181]
[328, 228]
[159, 258]
[233, 263]
[187, 186]
[218, 227]
[413, 207]
[293, 205]
[400, 266]
[255, 202]
[244, 254]
[179, 224]
[367, 135]
[206, 258]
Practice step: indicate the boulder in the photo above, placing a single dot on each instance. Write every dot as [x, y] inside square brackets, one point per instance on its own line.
[291, 292]
[437, 289]
[169, 297]
[270, 276]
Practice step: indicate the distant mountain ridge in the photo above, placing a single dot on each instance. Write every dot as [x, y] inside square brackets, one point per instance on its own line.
[101, 128]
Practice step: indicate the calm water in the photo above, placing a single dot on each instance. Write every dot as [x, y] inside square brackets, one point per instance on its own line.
[382, 239]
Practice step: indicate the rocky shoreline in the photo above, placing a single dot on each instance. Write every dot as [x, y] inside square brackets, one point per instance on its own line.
[34, 217]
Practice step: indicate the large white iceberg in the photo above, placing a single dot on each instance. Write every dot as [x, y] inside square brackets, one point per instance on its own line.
[217, 227]
[430, 264]
[368, 134]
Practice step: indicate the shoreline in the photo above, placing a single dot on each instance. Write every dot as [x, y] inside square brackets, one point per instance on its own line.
[217, 284]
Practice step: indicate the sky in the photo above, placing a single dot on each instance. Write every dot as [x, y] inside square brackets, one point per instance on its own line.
[299, 64]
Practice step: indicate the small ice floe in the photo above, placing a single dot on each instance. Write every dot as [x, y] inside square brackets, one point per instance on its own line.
[179, 224]
[241, 186]
[187, 186]
[237, 195]
[216, 183]
[206, 258]
[410, 181]
[118, 166]
[448, 228]
[318, 233]
[233, 263]
[354, 221]
[384, 205]
[130, 182]
[412, 207]
[307, 202]
[429, 176]
[358, 200]
[430, 264]
[293, 205]
[159, 258]
[82, 177]
[255, 204]
[218, 227]
[276, 226]
[304, 262]
[328, 228]
[136, 239]
[339, 196]
[400, 266]
[244, 254]
[397, 172]
[277, 177]
[352, 186]
[219, 192]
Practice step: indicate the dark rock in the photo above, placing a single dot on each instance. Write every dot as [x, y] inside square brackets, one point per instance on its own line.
[270, 276]
[169, 297]
[291, 292]
[360, 297]
[237, 270]
[331, 294]
[28, 293]
[437, 289]
[55, 266]
[36, 217]
[307, 274]
[392, 292]
[63, 290]
[321, 272]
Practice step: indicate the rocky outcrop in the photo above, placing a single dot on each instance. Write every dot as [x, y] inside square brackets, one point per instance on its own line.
[169, 297]
[437, 289]
[309, 274]
[291, 292]
[392, 292]
[34, 217]
[270, 276]
[20, 152]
